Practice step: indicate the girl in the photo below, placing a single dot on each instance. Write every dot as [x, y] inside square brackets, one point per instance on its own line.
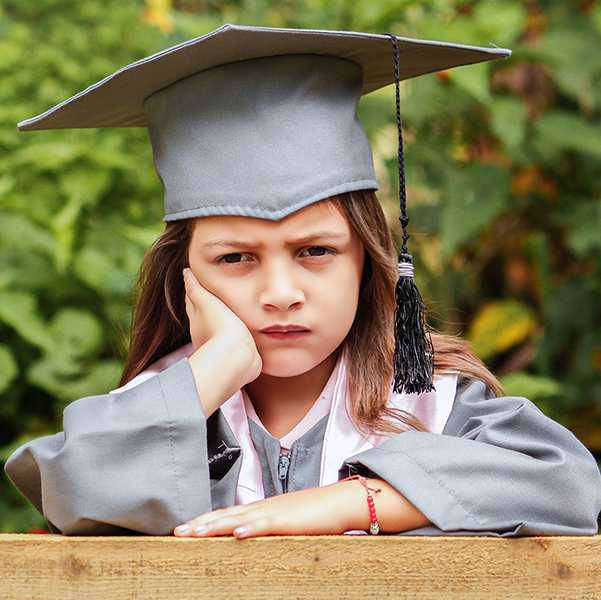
[256, 397]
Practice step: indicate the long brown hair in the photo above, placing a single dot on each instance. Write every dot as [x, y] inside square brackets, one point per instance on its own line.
[372, 331]
[160, 323]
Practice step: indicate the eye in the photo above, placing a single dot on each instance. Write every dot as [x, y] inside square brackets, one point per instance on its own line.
[319, 251]
[232, 259]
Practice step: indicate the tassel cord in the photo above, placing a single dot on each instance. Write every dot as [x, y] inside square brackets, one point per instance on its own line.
[413, 360]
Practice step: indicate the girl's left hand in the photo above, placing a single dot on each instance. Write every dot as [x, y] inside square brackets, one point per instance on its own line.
[331, 509]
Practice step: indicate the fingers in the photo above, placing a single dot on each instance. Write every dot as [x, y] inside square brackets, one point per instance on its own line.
[314, 511]
[240, 521]
[196, 295]
[257, 527]
[191, 284]
[195, 526]
[189, 306]
[189, 277]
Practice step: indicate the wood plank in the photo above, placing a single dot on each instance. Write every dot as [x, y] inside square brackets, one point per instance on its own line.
[334, 567]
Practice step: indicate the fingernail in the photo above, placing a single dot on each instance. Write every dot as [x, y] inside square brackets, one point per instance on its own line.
[185, 271]
[183, 529]
[241, 531]
[200, 529]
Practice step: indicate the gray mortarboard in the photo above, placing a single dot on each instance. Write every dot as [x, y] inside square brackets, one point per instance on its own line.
[262, 122]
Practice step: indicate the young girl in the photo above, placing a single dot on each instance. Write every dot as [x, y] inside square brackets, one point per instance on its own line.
[257, 397]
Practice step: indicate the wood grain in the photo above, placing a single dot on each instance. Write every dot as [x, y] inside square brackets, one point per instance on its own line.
[330, 567]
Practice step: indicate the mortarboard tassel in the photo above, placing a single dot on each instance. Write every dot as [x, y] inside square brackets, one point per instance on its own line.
[413, 350]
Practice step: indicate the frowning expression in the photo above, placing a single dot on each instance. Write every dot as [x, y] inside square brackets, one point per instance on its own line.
[303, 271]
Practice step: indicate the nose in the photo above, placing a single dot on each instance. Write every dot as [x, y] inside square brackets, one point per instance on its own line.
[281, 289]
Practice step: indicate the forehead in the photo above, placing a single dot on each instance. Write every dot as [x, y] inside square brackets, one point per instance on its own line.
[324, 216]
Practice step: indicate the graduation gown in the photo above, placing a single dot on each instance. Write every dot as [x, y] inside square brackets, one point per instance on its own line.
[146, 460]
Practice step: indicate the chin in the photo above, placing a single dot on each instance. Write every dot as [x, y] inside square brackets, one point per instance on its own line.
[289, 364]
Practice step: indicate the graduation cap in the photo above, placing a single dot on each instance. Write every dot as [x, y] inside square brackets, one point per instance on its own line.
[261, 122]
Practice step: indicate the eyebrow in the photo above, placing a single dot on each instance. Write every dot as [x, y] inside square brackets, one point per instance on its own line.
[319, 235]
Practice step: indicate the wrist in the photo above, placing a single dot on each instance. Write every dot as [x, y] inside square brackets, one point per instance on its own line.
[394, 512]
[356, 514]
[219, 368]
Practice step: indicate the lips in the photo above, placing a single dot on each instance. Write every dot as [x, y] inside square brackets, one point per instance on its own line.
[285, 329]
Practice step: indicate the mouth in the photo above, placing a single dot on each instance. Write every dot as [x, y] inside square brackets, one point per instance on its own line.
[286, 329]
[286, 332]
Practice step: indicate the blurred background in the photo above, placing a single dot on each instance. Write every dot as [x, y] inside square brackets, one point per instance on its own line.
[504, 185]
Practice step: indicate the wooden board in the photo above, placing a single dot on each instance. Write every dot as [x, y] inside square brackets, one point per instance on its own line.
[329, 567]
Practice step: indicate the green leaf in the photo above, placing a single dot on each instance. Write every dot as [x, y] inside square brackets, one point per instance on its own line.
[596, 18]
[68, 381]
[25, 270]
[83, 187]
[86, 185]
[8, 368]
[475, 196]
[109, 260]
[573, 49]
[533, 387]
[19, 310]
[76, 332]
[453, 29]
[501, 325]
[44, 155]
[584, 234]
[474, 79]
[508, 120]
[569, 311]
[17, 232]
[560, 130]
[543, 391]
[574, 42]
[504, 21]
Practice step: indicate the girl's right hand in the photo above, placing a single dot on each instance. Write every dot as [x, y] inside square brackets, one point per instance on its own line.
[226, 356]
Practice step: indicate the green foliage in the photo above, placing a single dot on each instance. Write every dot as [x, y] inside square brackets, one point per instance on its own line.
[544, 391]
[8, 368]
[476, 195]
[558, 131]
[503, 172]
[499, 326]
[77, 213]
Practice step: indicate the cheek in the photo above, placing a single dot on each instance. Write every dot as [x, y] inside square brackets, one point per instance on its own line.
[340, 296]
[233, 293]
[237, 298]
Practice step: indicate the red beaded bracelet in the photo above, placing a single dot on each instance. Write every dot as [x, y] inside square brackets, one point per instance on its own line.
[374, 527]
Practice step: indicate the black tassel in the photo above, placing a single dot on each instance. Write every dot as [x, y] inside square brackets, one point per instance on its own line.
[413, 351]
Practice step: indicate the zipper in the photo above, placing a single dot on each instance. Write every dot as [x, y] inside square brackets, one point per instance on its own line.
[283, 468]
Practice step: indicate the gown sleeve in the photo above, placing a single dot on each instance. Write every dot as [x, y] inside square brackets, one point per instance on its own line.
[134, 461]
[500, 467]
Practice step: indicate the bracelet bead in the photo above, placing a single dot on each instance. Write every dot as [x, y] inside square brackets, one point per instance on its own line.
[374, 527]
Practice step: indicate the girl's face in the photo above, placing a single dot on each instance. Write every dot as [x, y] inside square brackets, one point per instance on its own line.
[304, 270]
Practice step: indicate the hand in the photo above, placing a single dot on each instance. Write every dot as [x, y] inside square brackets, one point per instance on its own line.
[328, 510]
[209, 316]
[212, 320]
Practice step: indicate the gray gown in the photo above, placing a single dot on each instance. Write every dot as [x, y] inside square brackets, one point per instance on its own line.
[146, 460]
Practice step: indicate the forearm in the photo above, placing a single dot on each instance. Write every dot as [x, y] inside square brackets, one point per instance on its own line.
[501, 468]
[394, 512]
[220, 369]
